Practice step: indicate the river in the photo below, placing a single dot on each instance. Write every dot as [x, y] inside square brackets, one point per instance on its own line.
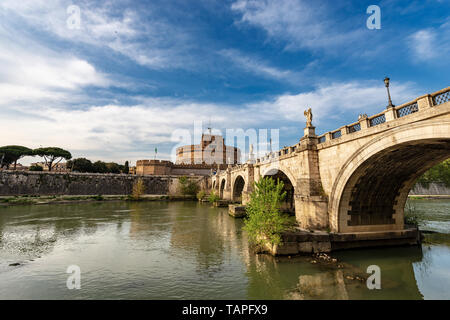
[188, 250]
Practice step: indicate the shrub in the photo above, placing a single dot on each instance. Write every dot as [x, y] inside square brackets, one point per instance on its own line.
[138, 189]
[213, 197]
[188, 187]
[265, 222]
[412, 217]
[201, 194]
[36, 168]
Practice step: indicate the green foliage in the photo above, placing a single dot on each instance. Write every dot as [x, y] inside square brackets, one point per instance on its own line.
[188, 186]
[201, 194]
[126, 168]
[265, 222]
[80, 165]
[11, 154]
[411, 215]
[99, 167]
[86, 165]
[51, 154]
[36, 168]
[439, 173]
[138, 189]
[213, 197]
[98, 197]
[112, 167]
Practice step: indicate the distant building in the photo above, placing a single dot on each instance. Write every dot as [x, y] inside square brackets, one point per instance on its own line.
[19, 167]
[196, 159]
[211, 150]
[167, 168]
[58, 167]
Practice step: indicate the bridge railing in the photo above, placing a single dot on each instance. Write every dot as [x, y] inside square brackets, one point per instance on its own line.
[420, 103]
[365, 122]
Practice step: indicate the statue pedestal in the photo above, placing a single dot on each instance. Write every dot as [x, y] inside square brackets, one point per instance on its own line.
[310, 131]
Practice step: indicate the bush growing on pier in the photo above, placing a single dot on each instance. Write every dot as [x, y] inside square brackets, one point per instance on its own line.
[213, 197]
[201, 194]
[138, 189]
[265, 222]
[412, 217]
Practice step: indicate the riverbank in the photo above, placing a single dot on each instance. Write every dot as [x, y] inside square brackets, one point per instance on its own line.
[41, 200]
[428, 196]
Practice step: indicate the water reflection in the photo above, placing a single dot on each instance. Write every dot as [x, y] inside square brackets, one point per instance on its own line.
[180, 250]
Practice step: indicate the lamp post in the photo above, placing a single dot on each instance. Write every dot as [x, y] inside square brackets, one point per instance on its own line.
[386, 83]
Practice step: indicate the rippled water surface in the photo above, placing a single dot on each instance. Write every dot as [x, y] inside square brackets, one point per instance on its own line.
[187, 250]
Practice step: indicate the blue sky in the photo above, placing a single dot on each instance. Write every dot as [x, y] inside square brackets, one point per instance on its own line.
[136, 71]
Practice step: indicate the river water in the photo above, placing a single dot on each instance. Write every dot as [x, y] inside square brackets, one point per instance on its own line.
[188, 250]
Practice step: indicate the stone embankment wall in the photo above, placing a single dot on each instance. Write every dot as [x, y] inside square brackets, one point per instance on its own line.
[434, 189]
[45, 183]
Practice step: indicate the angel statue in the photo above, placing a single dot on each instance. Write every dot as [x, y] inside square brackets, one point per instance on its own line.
[309, 116]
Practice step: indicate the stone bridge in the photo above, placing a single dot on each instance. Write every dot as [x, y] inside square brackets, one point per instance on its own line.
[356, 178]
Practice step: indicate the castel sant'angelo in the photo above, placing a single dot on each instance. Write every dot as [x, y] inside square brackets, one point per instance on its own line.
[199, 159]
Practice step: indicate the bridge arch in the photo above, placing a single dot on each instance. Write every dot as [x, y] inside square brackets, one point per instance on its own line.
[237, 188]
[222, 187]
[371, 189]
[289, 202]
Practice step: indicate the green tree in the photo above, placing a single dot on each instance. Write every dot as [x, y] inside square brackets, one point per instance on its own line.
[80, 165]
[126, 169]
[11, 154]
[112, 167]
[36, 168]
[265, 222]
[52, 154]
[100, 167]
[438, 173]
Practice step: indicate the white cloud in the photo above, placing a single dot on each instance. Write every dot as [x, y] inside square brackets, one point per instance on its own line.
[334, 102]
[299, 23]
[257, 66]
[35, 73]
[156, 45]
[119, 133]
[432, 44]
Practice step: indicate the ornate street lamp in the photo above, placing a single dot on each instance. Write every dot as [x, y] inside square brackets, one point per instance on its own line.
[386, 83]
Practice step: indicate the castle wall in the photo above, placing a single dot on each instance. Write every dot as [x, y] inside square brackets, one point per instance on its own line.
[14, 183]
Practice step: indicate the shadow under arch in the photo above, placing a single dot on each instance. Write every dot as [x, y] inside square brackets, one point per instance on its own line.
[238, 188]
[370, 191]
[222, 188]
[289, 202]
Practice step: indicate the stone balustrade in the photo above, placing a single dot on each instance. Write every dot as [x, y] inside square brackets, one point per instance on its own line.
[419, 104]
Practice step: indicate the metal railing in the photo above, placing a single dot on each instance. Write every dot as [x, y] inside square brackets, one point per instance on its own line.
[336, 134]
[377, 120]
[441, 98]
[354, 128]
[406, 110]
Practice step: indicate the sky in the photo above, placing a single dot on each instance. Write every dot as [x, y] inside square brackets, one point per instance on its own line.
[126, 76]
